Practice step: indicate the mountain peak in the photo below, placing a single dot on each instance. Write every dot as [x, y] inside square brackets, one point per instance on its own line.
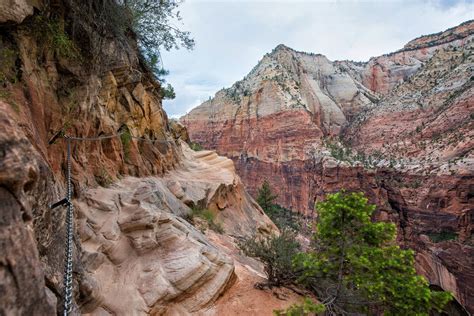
[281, 47]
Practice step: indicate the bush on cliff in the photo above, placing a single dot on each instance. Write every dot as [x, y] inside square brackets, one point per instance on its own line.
[154, 24]
[277, 254]
[195, 146]
[208, 217]
[356, 267]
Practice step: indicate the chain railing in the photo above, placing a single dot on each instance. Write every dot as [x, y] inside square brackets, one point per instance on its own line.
[68, 260]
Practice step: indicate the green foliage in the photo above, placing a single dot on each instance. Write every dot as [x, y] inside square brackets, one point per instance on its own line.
[266, 197]
[339, 152]
[307, 308]
[233, 94]
[8, 71]
[277, 254]
[126, 139]
[209, 217]
[442, 236]
[342, 153]
[167, 92]
[152, 22]
[284, 218]
[356, 266]
[415, 184]
[196, 146]
[51, 33]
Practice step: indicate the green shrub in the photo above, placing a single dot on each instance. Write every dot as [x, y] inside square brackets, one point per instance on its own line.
[277, 254]
[167, 92]
[6, 95]
[154, 23]
[51, 33]
[208, 216]
[125, 139]
[284, 218]
[307, 308]
[196, 146]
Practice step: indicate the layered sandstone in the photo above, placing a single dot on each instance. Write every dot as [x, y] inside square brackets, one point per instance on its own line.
[135, 230]
[398, 127]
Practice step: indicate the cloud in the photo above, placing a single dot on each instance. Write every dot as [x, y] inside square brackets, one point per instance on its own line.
[232, 36]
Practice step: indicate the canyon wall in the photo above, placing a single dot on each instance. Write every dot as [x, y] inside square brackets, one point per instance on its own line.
[399, 127]
[135, 251]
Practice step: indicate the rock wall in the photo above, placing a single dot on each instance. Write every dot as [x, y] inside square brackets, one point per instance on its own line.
[44, 94]
[134, 252]
[135, 230]
[398, 127]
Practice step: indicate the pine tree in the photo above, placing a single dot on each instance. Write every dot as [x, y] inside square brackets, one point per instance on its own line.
[266, 197]
[357, 267]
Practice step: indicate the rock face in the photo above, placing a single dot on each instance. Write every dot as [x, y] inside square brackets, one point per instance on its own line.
[134, 252]
[135, 231]
[15, 10]
[155, 256]
[398, 127]
[25, 184]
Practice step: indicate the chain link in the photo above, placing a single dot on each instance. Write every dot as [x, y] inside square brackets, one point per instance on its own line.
[68, 260]
[69, 237]
[118, 135]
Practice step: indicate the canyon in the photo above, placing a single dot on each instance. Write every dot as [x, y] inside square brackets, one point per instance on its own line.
[399, 127]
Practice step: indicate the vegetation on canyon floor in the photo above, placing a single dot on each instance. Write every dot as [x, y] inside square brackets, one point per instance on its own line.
[352, 266]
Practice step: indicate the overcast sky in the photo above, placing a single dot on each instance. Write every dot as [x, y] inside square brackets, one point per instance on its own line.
[232, 36]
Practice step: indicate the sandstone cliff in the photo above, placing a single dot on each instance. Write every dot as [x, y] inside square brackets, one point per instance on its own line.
[399, 127]
[135, 251]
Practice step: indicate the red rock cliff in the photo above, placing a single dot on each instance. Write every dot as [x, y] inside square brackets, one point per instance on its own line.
[399, 127]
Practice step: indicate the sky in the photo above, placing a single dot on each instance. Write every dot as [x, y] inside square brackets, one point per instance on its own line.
[232, 36]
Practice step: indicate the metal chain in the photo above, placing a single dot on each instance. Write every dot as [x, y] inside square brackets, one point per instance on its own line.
[68, 291]
[117, 135]
[69, 237]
